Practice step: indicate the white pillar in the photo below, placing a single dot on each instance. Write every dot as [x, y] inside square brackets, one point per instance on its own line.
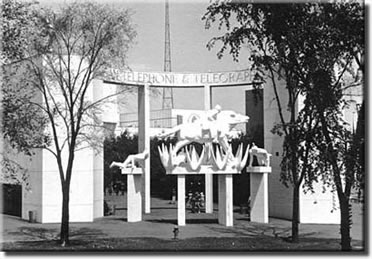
[208, 177]
[225, 200]
[181, 208]
[259, 198]
[144, 141]
[134, 198]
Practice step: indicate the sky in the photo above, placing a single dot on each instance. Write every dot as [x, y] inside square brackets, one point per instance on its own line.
[188, 49]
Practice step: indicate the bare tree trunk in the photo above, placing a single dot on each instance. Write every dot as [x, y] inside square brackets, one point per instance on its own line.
[65, 214]
[345, 209]
[295, 213]
[296, 183]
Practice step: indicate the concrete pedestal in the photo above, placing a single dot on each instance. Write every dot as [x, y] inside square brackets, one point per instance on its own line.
[259, 193]
[225, 200]
[208, 193]
[181, 208]
[134, 195]
[225, 192]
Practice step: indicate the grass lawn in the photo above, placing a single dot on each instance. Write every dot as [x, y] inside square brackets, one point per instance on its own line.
[262, 243]
[155, 233]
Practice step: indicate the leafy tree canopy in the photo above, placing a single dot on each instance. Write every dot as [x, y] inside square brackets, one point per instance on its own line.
[20, 25]
[23, 123]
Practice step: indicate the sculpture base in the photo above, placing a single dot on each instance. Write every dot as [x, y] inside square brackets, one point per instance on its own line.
[134, 195]
[131, 170]
[259, 193]
[225, 193]
[258, 169]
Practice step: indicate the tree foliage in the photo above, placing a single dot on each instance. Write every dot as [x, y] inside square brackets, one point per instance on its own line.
[20, 27]
[23, 123]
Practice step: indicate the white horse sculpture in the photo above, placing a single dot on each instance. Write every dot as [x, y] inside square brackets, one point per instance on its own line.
[215, 128]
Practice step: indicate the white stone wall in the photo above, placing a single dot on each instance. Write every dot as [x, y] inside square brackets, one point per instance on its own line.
[280, 197]
[81, 188]
[32, 193]
[44, 193]
[318, 207]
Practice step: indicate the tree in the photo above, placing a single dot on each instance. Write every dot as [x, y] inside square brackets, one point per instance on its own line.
[342, 149]
[269, 31]
[334, 144]
[82, 42]
[23, 124]
[289, 41]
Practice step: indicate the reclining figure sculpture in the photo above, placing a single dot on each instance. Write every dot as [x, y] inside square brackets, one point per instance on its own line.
[132, 160]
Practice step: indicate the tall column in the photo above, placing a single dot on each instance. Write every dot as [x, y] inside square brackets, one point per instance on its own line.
[181, 208]
[208, 177]
[144, 141]
[134, 197]
[225, 200]
[259, 197]
[99, 92]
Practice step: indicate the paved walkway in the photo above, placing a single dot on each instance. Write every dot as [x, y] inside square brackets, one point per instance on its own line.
[161, 221]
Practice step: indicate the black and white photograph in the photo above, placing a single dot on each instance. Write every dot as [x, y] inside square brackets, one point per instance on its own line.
[184, 126]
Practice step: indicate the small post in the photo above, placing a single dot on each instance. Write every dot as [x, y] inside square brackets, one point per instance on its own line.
[175, 232]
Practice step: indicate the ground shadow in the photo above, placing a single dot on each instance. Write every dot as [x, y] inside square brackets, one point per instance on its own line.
[121, 219]
[86, 233]
[201, 221]
[188, 221]
[253, 230]
[36, 233]
[163, 208]
[166, 221]
[246, 219]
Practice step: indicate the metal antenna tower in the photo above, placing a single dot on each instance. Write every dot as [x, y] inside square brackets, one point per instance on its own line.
[167, 91]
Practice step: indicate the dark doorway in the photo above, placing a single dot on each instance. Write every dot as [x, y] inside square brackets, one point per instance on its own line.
[254, 109]
[12, 199]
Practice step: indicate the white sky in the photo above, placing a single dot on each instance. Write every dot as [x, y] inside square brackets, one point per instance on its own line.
[188, 49]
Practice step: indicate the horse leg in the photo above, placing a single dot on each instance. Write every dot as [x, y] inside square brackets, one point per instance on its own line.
[250, 159]
[180, 144]
[225, 146]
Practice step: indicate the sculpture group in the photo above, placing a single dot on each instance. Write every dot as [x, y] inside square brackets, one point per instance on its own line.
[214, 130]
[217, 127]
